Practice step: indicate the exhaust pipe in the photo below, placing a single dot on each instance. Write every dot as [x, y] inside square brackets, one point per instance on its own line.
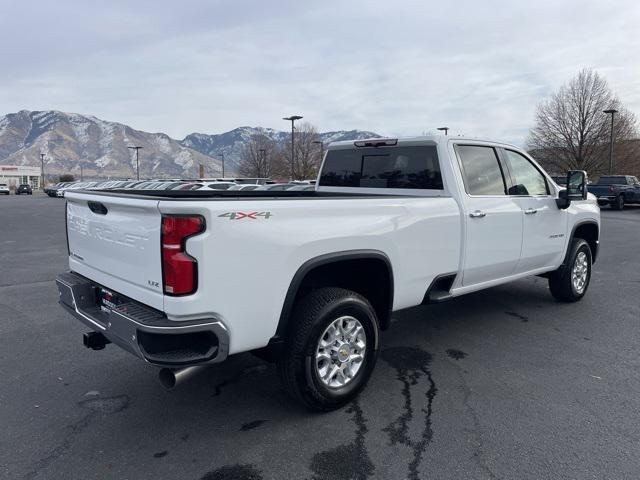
[171, 377]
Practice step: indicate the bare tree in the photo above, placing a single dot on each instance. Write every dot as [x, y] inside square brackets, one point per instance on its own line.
[258, 156]
[281, 163]
[572, 132]
[307, 157]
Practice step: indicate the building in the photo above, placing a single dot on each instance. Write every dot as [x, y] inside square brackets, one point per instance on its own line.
[16, 175]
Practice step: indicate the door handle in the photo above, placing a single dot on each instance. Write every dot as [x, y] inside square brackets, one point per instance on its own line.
[477, 214]
[530, 211]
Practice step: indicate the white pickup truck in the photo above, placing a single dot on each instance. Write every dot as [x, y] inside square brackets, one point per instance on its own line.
[183, 279]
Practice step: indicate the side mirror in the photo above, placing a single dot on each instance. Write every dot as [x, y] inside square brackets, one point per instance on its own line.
[576, 189]
[576, 185]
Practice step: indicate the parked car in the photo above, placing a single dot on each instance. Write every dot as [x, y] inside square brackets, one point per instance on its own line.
[301, 188]
[219, 185]
[24, 188]
[274, 187]
[52, 189]
[392, 224]
[61, 192]
[4, 189]
[243, 186]
[188, 186]
[616, 190]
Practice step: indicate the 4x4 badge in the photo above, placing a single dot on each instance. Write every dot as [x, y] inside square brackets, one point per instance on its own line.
[247, 215]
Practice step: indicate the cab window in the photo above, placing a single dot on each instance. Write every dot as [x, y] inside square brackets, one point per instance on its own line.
[414, 167]
[481, 171]
[527, 179]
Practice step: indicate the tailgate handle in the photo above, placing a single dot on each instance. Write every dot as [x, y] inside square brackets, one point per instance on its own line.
[97, 207]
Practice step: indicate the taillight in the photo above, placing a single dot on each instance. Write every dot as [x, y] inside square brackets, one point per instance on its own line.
[179, 270]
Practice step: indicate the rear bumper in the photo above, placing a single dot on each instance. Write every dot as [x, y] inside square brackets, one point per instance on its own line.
[143, 331]
[604, 200]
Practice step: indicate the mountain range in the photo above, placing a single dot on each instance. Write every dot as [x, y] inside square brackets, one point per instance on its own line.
[71, 140]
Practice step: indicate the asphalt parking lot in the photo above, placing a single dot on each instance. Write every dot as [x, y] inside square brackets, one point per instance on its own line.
[505, 383]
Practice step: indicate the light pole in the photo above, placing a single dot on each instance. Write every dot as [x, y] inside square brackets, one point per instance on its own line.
[613, 113]
[42, 155]
[445, 129]
[81, 173]
[292, 119]
[137, 160]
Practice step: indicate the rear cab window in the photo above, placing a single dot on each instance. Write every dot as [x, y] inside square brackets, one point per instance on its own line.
[404, 167]
[481, 171]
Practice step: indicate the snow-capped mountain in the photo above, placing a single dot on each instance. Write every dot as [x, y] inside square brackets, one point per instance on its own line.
[230, 143]
[71, 140]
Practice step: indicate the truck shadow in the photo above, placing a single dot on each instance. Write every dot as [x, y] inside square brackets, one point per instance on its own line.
[208, 422]
[483, 312]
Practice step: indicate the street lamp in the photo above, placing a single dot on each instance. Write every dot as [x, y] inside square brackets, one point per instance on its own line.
[292, 119]
[42, 155]
[613, 113]
[321, 143]
[137, 160]
[222, 155]
[445, 129]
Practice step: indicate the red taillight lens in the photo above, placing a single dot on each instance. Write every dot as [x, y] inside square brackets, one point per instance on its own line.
[179, 270]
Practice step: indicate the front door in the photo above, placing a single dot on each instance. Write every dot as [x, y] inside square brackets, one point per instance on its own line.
[493, 219]
[545, 224]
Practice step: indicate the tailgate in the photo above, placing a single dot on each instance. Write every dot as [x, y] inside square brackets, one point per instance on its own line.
[598, 190]
[115, 241]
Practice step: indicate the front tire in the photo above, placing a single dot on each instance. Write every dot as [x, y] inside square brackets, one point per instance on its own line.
[570, 282]
[331, 349]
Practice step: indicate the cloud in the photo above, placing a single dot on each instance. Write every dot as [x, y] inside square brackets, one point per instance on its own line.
[397, 68]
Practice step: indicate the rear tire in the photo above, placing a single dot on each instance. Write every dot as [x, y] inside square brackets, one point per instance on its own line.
[570, 282]
[618, 203]
[331, 349]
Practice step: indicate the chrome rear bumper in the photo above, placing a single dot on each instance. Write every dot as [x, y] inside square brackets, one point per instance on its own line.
[143, 331]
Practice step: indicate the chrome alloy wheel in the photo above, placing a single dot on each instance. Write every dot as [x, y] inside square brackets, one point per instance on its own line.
[579, 272]
[340, 352]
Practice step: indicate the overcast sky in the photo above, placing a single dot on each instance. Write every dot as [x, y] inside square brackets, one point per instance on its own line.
[393, 67]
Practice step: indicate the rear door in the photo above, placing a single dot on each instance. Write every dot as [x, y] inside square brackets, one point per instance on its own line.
[493, 220]
[115, 241]
[545, 224]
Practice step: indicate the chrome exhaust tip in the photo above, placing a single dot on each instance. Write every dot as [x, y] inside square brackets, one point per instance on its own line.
[172, 377]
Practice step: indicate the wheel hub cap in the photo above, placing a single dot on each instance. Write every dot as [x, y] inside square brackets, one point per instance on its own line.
[340, 352]
[344, 353]
[579, 272]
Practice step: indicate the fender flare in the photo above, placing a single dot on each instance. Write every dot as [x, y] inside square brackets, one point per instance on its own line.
[578, 224]
[309, 265]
